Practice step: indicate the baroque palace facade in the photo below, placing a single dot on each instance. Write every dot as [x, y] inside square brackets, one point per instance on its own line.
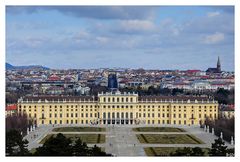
[118, 108]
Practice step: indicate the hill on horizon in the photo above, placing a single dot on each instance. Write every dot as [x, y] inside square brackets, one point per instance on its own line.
[10, 67]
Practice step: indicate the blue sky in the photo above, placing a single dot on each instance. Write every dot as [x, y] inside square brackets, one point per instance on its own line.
[151, 37]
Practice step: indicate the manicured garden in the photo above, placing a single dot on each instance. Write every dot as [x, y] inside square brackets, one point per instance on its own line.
[165, 151]
[88, 138]
[158, 129]
[168, 139]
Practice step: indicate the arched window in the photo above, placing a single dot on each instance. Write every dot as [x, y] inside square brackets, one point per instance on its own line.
[126, 115]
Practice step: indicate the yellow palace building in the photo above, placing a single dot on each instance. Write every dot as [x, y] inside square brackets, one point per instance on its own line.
[118, 108]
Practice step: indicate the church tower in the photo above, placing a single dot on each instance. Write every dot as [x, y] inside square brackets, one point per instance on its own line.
[218, 65]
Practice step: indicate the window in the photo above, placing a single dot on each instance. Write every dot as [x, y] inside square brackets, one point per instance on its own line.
[126, 99]
[50, 115]
[55, 115]
[86, 114]
[113, 115]
[104, 99]
[82, 115]
[131, 100]
[153, 115]
[131, 115]
[179, 115]
[67, 115]
[76, 115]
[60, 115]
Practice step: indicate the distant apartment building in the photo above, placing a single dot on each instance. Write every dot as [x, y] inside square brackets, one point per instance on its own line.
[198, 85]
[118, 108]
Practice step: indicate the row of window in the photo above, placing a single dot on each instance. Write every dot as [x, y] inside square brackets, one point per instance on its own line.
[87, 122]
[117, 99]
[67, 122]
[174, 115]
[71, 115]
[104, 106]
[60, 106]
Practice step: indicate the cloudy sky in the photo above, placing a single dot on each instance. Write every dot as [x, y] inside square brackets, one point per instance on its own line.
[164, 37]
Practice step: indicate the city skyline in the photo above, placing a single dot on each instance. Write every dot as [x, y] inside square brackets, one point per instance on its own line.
[161, 37]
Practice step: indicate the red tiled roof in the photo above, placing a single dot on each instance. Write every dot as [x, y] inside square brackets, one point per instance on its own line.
[11, 107]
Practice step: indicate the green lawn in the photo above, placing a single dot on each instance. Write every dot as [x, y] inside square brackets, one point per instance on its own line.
[88, 138]
[164, 151]
[168, 139]
[158, 129]
[79, 129]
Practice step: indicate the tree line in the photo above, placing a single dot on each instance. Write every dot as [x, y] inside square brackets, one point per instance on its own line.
[54, 146]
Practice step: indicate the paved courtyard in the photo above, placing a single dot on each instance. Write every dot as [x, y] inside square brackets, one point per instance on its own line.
[122, 140]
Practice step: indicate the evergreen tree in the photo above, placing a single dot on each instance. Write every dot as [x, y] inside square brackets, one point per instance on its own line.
[56, 146]
[197, 151]
[62, 146]
[80, 148]
[15, 145]
[218, 148]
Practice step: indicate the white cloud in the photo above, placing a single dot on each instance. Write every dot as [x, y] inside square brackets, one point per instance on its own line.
[137, 25]
[213, 38]
[102, 40]
[213, 14]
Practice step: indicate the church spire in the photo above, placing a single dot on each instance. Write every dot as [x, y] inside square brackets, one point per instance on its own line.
[218, 65]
